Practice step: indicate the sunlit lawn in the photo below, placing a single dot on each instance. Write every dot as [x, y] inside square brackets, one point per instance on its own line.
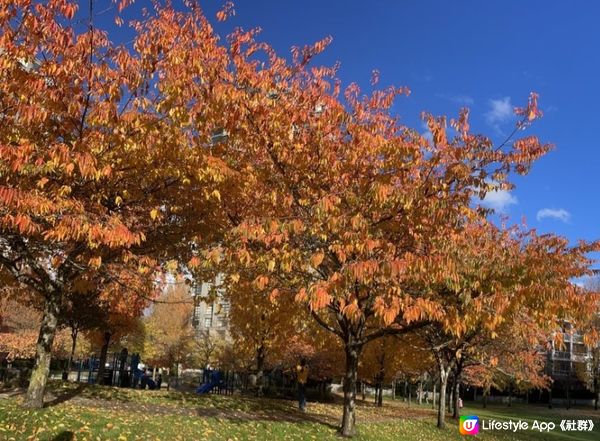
[91, 413]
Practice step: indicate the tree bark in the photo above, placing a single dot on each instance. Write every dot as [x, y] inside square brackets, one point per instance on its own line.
[456, 390]
[596, 391]
[450, 397]
[456, 413]
[260, 365]
[103, 355]
[441, 416]
[434, 394]
[349, 417]
[39, 375]
[74, 332]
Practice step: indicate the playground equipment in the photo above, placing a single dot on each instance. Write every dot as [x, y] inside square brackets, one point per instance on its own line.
[215, 380]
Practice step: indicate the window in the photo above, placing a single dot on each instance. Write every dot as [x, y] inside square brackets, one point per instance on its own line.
[208, 321]
[221, 321]
[225, 309]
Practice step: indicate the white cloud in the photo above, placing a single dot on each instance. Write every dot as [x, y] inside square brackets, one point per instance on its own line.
[499, 200]
[559, 214]
[501, 111]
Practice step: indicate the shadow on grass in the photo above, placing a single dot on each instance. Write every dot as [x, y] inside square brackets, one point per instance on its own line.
[67, 435]
[65, 395]
[261, 414]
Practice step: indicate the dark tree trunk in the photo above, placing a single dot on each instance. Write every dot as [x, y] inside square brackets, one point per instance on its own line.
[380, 377]
[596, 391]
[74, 332]
[349, 417]
[260, 366]
[456, 391]
[451, 396]
[434, 394]
[441, 416]
[456, 413]
[486, 392]
[103, 355]
[39, 375]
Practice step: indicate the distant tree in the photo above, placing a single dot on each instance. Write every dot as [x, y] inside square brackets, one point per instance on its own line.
[492, 281]
[263, 326]
[169, 331]
[589, 370]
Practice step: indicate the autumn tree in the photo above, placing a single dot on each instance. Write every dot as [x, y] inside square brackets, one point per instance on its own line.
[82, 312]
[338, 203]
[169, 332]
[264, 326]
[104, 165]
[589, 371]
[379, 364]
[490, 281]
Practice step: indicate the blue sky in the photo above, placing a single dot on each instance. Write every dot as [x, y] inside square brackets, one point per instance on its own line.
[487, 55]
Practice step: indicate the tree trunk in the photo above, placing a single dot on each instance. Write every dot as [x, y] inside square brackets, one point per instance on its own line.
[420, 392]
[486, 392]
[441, 416]
[456, 413]
[380, 395]
[596, 391]
[376, 391]
[434, 394]
[74, 332]
[260, 365]
[451, 396]
[349, 418]
[103, 355]
[39, 375]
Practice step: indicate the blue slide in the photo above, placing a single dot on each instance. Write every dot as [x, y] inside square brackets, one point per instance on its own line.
[215, 380]
[206, 388]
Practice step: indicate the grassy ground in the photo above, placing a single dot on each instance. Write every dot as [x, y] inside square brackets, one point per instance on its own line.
[97, 413]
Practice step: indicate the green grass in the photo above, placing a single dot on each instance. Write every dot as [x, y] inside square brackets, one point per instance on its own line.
[97, 413]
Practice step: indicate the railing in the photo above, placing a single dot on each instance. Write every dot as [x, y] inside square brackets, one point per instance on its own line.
[561, 355]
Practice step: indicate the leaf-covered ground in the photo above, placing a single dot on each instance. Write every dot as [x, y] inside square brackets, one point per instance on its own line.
[98, 413]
